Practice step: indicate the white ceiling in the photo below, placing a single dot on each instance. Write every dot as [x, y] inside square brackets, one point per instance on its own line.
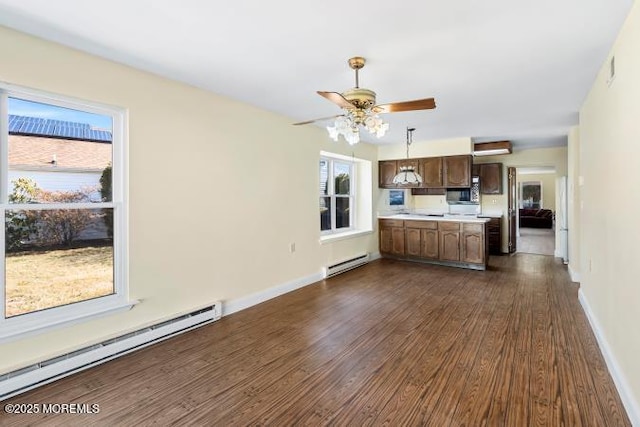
[499, 69]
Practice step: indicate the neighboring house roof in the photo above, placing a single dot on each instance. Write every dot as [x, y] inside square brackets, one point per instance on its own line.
[32, 148]
[24, 125]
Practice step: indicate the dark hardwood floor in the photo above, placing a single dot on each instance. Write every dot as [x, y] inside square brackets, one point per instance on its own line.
[393, 343]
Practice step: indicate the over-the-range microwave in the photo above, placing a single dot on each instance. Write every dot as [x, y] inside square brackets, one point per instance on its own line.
[465, 196]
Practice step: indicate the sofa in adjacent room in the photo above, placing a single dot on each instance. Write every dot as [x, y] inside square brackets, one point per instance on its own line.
[536, 218]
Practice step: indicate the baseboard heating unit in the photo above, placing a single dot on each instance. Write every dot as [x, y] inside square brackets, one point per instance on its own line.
[21, 380]
[342, 266]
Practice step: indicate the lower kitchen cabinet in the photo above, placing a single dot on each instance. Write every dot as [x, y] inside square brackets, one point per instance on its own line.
[494, 233]
[449, 236]
[392, 237]
[473, 243]
[422, 239]
[454, 243]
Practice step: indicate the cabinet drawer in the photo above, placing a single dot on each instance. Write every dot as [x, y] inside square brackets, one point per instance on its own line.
[391, 223]
[474, 228]
[448, 226]
[431, 225]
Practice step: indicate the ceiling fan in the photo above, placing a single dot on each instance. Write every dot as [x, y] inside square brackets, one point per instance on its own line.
[360, 109]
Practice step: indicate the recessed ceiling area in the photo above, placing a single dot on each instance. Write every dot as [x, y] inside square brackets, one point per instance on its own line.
[498, 69]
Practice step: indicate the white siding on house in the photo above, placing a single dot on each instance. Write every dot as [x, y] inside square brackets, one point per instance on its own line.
[61, 181]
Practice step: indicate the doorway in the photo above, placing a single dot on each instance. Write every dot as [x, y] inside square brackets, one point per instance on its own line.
[536, 208]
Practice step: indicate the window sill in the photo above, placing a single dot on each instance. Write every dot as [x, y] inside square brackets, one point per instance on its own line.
[329, 238]
[16, 328]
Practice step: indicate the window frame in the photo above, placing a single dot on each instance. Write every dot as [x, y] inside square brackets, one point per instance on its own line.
[46, 319]
[331, 193]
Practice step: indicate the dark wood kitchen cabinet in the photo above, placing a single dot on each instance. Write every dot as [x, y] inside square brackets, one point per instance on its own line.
[386, 172]
[432, 176]
[421, 238]
[457, 171]
[472, 243]
[490, 177]
[391, 237]
[449, 240]
[494, 234]
[452, 243]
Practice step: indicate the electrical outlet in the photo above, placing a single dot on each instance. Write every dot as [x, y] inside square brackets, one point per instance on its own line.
[292, 247]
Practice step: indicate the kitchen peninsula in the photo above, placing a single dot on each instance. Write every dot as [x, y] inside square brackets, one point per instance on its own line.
[452, 240]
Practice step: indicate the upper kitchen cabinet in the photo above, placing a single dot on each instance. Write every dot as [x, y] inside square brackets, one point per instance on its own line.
[386, 172]
[457, 171]
[432, 176]
[490, 177]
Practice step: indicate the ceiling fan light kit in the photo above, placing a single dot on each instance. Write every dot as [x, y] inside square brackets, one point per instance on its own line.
[360, 110]
[408, 174]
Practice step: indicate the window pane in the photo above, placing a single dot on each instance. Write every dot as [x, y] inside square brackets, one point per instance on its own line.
[324, 177]
[57, 257]
[342, 212]
[342, 172]
[58, 155]
[325, 213]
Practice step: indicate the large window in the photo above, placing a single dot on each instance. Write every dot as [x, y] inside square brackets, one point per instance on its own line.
[62, 201]
[336, 195]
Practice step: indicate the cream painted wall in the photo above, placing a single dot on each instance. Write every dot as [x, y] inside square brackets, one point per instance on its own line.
[553, 156]
[573, 202]
[195, 234]
[548, 181]
[433, 148]
[610, 166]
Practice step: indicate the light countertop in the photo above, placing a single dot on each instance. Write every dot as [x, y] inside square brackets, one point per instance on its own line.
[427, 217]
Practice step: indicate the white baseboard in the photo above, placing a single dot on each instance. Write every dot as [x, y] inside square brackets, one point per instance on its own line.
[575, 276]
[232, 306]
[632, 407]
[235, 305]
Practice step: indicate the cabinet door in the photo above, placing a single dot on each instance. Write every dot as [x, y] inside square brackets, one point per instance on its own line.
[386, 172]
[457, 171]
[491, 178]
[472, 247]
[432, 172]
[429, 240]
[397, 240]
[449, 245]
[385, 240]
[412, 236]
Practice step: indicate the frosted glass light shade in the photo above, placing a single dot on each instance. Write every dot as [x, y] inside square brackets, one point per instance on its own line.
[407, 175]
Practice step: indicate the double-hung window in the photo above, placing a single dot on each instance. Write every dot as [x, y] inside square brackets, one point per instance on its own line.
[62, 202]
[337, 197]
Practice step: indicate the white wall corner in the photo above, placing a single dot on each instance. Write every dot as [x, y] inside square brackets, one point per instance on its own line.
[575, 276]
[238, 304]
[375, 256]
[622, 385]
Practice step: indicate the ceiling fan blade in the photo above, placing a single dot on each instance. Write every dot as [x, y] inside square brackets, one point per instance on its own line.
[336, 98]
[318, 120]
[394, 107]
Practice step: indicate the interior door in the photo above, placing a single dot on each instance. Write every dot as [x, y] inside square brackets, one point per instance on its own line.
[513, 208]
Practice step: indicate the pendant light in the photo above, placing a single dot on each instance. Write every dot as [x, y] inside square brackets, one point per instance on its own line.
[408, 174]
